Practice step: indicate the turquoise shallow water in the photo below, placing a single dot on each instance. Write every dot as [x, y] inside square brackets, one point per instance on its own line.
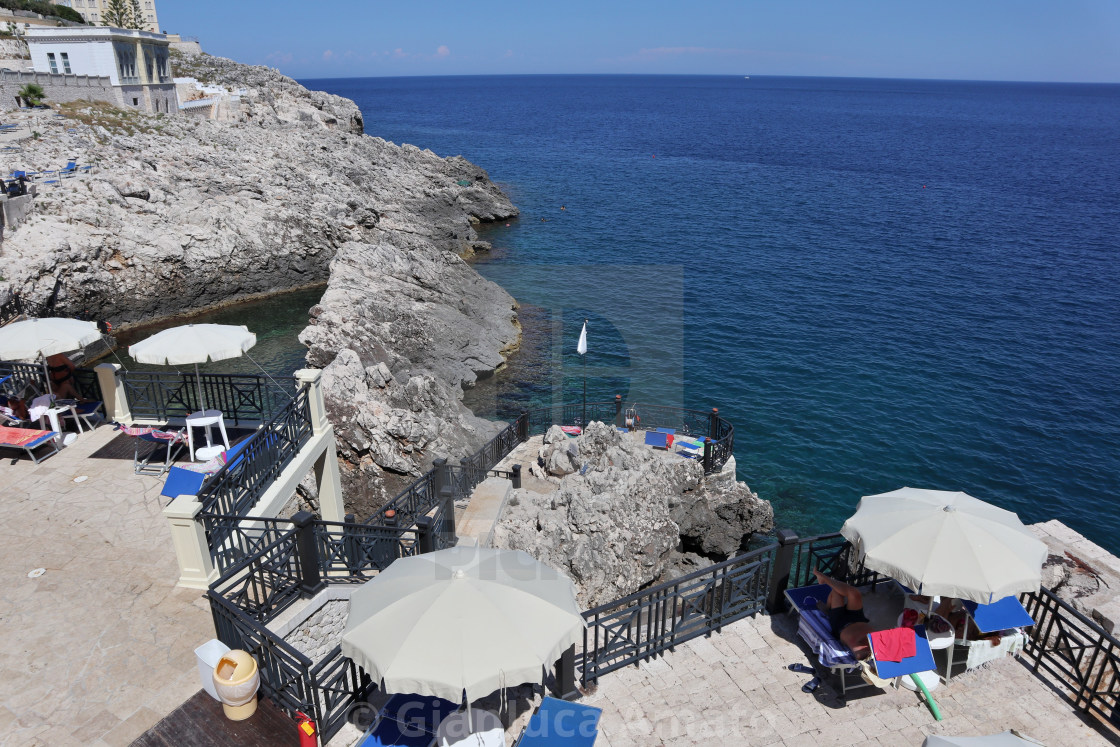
[276, 321]
[881, 283]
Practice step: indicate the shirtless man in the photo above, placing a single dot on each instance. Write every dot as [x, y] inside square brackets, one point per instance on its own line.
[845, 612]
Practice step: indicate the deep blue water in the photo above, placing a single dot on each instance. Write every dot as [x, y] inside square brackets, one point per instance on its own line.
[880, 282]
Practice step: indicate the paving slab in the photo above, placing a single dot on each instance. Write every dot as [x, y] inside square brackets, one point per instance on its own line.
[999, 696]
[101, 644]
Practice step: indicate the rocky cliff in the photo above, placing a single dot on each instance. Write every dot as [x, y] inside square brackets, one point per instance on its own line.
[181, 214]
[621, 516]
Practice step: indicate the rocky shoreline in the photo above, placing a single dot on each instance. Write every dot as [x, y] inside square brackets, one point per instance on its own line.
[183, 215]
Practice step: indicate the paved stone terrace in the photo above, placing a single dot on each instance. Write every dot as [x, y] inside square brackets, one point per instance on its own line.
[101, 646]
[734, 689]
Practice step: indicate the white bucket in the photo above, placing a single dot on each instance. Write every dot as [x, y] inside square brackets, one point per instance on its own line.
[209, 654]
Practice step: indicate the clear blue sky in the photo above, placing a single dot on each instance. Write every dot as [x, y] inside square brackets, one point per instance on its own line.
[1042, 40]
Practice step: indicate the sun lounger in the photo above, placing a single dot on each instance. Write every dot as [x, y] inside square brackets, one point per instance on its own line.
[29, 440]
[558, 722]
[657, 440]
[407, 720]
[172, 440]
[815, 629]
[86, 412]
[1006, 614]
[912, 667]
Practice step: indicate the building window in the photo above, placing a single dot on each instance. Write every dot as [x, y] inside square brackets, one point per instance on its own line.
[65, 63]
[135, 101]
[53, 62]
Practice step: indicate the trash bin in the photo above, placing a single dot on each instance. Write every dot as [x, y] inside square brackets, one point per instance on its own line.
[236, 679]
[208, 655]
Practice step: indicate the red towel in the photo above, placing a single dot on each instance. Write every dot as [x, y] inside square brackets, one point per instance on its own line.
[19, 436]
[895, 644]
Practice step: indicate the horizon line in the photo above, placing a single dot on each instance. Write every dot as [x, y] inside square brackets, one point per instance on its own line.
[703, 75]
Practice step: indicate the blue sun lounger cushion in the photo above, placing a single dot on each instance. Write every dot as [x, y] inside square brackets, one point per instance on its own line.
[1002, 614]
[182, 482]
[657, 440]
[558, 723]
[921, 661]
[408, 720]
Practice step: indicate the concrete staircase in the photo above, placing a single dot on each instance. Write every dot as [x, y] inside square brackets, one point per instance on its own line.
[484, 510]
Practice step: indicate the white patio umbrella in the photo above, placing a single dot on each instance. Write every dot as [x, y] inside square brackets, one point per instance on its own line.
[946, 543]
[34, 338]
[465, 619]
[194, 343]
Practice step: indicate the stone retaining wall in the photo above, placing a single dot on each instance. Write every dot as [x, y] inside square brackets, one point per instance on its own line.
[59, 89]
[322, 631]
[62, 89]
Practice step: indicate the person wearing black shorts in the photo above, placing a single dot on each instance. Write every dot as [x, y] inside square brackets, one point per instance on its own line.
[845, 613]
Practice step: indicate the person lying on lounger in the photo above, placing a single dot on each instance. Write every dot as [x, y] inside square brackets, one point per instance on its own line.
[845, 612]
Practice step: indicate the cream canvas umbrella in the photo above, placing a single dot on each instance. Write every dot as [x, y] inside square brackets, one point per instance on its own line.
[194, 343]
[33, 338]
[463, 620]
[946, 543]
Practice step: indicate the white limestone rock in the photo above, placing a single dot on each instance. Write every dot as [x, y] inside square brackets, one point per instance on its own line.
[613, 523]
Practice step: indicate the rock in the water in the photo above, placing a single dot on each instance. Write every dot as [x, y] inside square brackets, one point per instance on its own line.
[609, 524]
[716, 516]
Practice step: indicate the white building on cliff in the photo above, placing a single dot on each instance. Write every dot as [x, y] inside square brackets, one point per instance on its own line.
[125, 67]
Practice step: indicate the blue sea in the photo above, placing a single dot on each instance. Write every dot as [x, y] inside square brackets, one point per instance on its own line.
[879, 282]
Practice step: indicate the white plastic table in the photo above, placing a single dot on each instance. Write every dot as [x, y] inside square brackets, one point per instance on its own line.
[205, 419]
[483, 729]
[44, 412]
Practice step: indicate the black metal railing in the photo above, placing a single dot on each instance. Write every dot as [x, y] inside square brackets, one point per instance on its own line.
[285, 673]
[232, 539]
[540, 420]
[647, 624]
[11, 309]
[495, 450]
[266, 583]
[25, 377]
[831, 555]
[284, 566]
[31, 375]
[338, 685]
[170, 396]
[237, 487]
[354, 553]
[414, 501]
[1076, 654]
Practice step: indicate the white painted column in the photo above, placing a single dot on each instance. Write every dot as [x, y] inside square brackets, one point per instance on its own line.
[112, 389]
[328, 482]
[313, 378]
[196, 569]
[327, 479]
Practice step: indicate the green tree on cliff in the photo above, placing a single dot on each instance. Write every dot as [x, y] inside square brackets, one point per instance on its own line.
[122, 14]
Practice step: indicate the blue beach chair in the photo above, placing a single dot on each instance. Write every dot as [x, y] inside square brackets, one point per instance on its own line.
[407, 721]
[558, 723]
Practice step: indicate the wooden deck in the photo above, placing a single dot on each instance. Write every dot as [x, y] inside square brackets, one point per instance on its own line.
[200, 722]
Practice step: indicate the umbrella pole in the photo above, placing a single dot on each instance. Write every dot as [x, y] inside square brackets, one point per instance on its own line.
[198, 381]
[46, 374]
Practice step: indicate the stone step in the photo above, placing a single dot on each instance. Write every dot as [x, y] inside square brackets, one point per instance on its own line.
[484, 510]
